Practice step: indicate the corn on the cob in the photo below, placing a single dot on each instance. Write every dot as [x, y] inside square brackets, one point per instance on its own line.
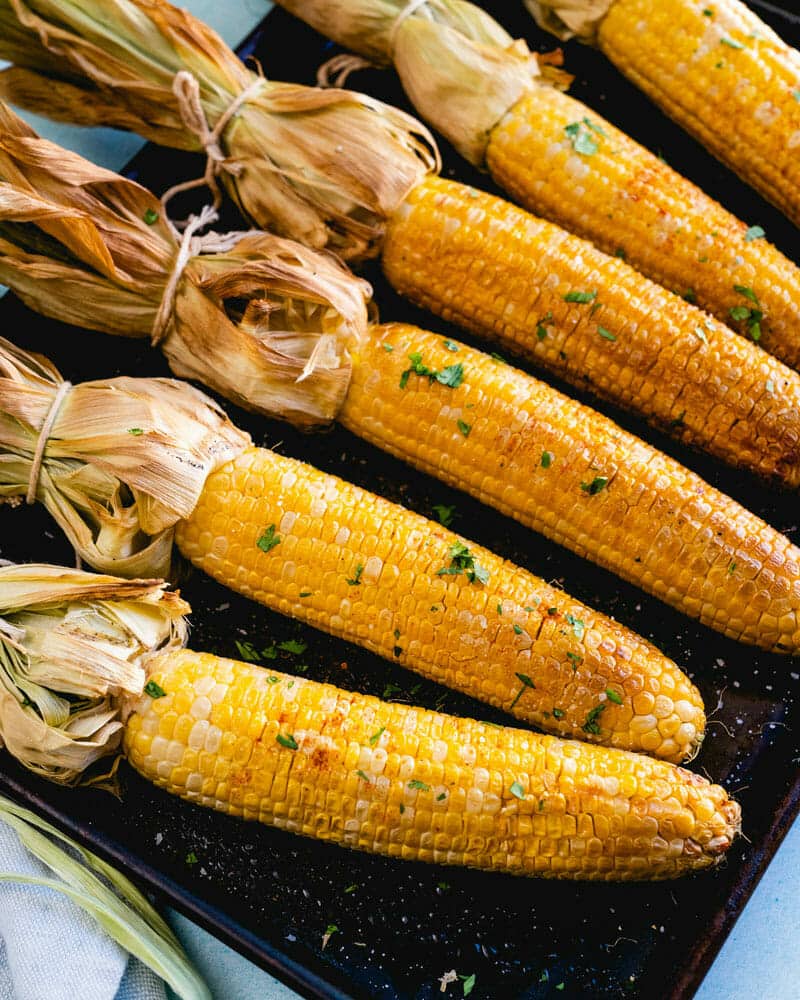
[326, 552]
[336, 556]
[717, 69]
[631, 204]
[414, 784]
[495, 269]
[561, 468]
[488, 95]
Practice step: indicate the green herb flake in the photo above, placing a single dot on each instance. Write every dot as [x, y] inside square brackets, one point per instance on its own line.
[560, 987]
[499, 609]
[150, 216]
[612, 695]
[619, 252]
[498, 358]
[529, 609]
[273, 679]
[296, 646]
[154, 690]
[591, 725]
[545, 977]
[270, 653]
[364, 777]
[376, 736]
[754, 233]
[351, 888]
[770, 385]
[444, 513]
[731, 43]
[575, 660]
[580, 135]
[191, 858]
[578, 626]
[306, 593]
[441, 796]
[452, 375]
[731, 568]
[268, 539]
[558, 713]
[607, 334]
[796, 95]
[247, 651]
[747, 292]
[355, 580]
[419, 786]
[136, 431]
[517, 629]
[468, 984]
[388, 348]
[708, 12]
[462, 561]
[597, 485]
[402, 808]
[517, 790]
[450, 345]
[391, 690]
[547, 459]
[582, 297]
[689, 295]
[287, 741]
[397, 650]
[464, 427]
[750, 316]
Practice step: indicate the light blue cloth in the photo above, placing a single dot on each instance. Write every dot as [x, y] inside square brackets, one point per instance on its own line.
[760, 958]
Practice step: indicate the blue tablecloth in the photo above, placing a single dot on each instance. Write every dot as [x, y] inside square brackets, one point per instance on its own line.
[758, 960]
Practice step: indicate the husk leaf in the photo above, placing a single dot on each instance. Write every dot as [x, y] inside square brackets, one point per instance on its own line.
[73, 647]
[266, 323]
[461, 70]
[107, 895]
[325, 168]
[125, 460]
[570, 18]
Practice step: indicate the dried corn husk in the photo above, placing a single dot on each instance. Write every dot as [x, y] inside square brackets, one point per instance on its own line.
[462, 71]
[73, 645]
[124, 461]
[570, 18]
[324, 167]
[267, 323]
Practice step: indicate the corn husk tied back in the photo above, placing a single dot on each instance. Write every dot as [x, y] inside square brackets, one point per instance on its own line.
[124, 460]
[461, 70]
[266, 322]
[73, 648]
[326, 168]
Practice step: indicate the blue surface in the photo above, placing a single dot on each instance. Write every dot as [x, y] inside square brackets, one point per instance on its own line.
[760, 959]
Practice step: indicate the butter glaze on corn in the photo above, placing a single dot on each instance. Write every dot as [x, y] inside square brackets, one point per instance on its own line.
[656, 523]
[432, 787]
[630, 203]
[495, 269]
[726, 78]
[441, 626]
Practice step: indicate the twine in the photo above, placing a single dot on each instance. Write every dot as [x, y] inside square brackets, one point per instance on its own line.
[41, 441]
[190, 107]
[190, 246]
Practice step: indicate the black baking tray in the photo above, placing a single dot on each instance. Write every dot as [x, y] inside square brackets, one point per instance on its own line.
[271, 895]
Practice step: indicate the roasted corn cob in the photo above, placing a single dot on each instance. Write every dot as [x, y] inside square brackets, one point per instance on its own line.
[319, 549]
[717, 69]
[414, 784]
[466, 255]
[486, 93]
[493, 268]
[572, 474]
[326, 763]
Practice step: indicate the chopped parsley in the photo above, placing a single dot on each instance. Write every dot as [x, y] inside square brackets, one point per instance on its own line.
[450, 345]
[306, 593]
[445, 513]
[708, 12]
[750, 316]
[270, 653]
[591, 725]
[558, 713]
[468, 984]
[518, 630]
[287, 741]
[597, 485]
[517, 790]
[731, 569]
[498, 358]
[376, 736]
[580, 135]
[689, 295]
[355, 580]
[578, 626]
[136, 431]
[731, 43]
[770, 385]
[441, 796]
[541, 329]
[526, 683]
[612, 695]
[452, 375]
[296, 646]
[547, 459]
[268, 539]
[391, 689]
[499, 609]
[364, 777]
[464, 427]
[619, 252]
[351, 888]
[607, 334]
[273, 680]
[582, 297]
[154, 690]
[388, 348]
[191, 858]
[247, 651]
[150, 216]
[419, 786]
[462, 561]
[575, 660]
[754, 233]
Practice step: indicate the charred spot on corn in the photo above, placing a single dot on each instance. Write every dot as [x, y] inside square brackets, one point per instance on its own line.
[154, 690]
[268, 538]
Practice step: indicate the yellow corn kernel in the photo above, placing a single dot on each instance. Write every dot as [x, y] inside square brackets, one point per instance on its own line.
[407, 782]
[520, 446]
[726, 77]
[631, 204]
[385, 578]
[497, 270]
